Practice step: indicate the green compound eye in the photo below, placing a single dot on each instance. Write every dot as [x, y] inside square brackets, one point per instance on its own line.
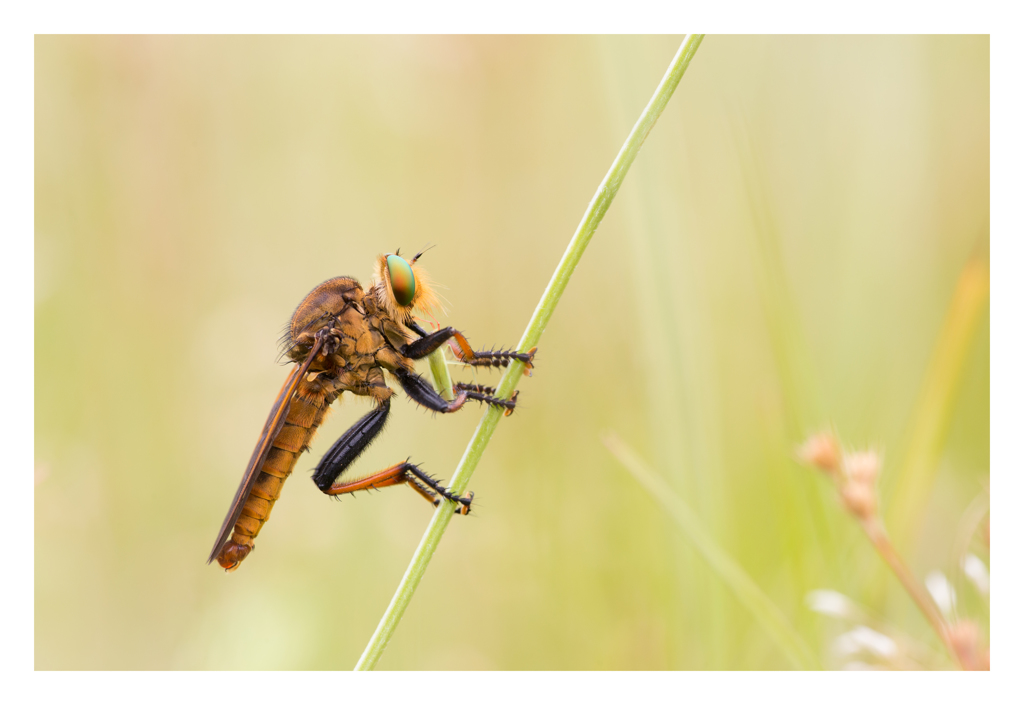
[403, 283]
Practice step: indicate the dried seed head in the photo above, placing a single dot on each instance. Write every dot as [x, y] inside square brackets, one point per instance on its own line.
[862, 466]
[964, 636]
[822, 451]
[859, 499]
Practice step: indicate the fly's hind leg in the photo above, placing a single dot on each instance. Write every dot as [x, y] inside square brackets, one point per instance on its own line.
[351, 444]
[354, 441]
[463, 503]
[404, 473]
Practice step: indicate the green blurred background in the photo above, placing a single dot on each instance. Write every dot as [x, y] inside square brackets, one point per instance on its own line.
[782, 256]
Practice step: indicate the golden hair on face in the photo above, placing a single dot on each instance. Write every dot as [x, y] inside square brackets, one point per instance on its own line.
[403, 287]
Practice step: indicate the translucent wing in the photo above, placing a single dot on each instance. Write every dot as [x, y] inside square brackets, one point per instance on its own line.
[275, 422]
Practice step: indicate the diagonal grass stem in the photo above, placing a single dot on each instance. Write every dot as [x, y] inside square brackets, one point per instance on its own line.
[592, 217]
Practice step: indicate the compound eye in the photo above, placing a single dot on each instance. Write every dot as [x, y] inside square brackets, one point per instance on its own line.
[403, 283]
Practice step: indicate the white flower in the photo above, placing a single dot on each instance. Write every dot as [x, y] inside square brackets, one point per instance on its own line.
[942, 592]
[975, 569]
[831, 603]
[865, 639]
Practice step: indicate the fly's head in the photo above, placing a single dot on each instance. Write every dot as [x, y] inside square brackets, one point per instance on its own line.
[402, 287]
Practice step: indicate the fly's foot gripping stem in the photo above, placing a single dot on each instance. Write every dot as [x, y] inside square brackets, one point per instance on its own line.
[463, 503]
[466, 500]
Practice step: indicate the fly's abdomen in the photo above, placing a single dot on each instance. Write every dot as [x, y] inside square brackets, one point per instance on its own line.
[307, 411]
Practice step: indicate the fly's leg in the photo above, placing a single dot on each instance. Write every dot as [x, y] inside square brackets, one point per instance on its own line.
[493, 358]
[481, 393]
[404, 473]
[465, 354]
[421, 392]
[354, 441]
[351, 444]
[427, 343]
[462, 502]
[424, 394]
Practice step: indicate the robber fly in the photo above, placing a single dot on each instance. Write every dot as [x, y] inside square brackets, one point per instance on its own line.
[342, 339]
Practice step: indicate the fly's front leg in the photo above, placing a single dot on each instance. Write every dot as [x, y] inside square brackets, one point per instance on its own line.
[465, 354]
[491, 358]
[428, 342]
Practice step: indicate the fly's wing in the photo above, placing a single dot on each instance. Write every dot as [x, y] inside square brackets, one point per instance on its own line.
[275, 422]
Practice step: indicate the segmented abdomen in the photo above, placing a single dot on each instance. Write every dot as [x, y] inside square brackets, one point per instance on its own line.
[307, 411]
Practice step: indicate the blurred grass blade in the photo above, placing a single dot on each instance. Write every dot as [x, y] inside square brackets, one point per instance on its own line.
[531, 336]
[674, 322]
[766, 612]
[934, 407]
[794, 364]
[793, 361]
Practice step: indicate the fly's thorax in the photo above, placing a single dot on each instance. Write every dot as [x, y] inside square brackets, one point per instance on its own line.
[397, 332]
[353, 340]
[321, 306]
[359, 327]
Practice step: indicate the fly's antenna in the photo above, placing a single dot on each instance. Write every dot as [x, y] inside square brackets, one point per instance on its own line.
[419, 254]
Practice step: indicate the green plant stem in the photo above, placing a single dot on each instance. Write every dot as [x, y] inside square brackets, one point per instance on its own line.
[439, 371]
[766, 612]
[531, 336]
